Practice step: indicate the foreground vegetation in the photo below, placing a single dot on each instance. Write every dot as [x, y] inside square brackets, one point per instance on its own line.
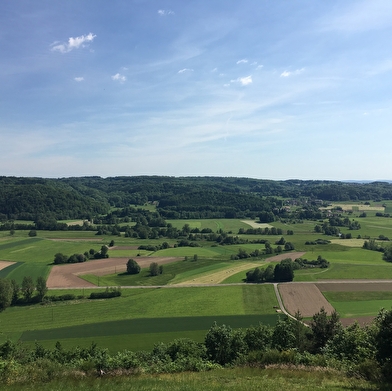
[237, 379]
[359, 353]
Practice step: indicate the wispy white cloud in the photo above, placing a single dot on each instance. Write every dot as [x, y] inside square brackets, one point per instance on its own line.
[243, 80]
[185, 70]
[385, 66]
[259, 66]
[73, 43]
[291, 73]
[119, 77]
[79, 79]
[243, 61]
[165, 12]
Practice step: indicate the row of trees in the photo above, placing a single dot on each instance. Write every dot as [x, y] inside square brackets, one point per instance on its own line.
[243, 254]
[61, 258]
[264, 231]
[10, 291]
[283, 271]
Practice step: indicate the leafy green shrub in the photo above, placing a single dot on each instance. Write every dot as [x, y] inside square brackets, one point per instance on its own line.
[107, 294]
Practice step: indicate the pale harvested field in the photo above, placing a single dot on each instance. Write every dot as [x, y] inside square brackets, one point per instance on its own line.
[359, 207]
[4, 264]
[305, 298]
[349, 242]
[75, 240]
[66, 276]
[76, 222]
[219, 276]
[253, 224]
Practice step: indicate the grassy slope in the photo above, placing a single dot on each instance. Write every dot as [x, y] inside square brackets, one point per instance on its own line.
[237, 379]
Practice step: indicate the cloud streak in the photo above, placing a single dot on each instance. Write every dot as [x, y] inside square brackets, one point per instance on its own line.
[119, 77]
[243, 80]
[165, 12]
[185, 70]
[73, 43]
[289, 73]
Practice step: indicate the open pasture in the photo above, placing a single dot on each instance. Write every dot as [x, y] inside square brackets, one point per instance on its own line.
[358, 299]
[153, 305]
[127, 332]
[345, 271]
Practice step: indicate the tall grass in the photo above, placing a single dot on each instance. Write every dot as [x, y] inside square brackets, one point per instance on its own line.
[237, 379]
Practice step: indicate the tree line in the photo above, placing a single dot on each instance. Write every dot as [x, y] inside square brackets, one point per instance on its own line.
[48, 200]
[12, 294]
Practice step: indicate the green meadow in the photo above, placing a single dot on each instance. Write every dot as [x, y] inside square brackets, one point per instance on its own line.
[358, 304]
[115, 322]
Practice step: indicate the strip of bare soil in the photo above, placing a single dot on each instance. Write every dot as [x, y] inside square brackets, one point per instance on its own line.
[4, 264]
[280, 257]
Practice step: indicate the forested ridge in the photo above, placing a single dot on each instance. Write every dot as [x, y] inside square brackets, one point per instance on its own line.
[176, 197]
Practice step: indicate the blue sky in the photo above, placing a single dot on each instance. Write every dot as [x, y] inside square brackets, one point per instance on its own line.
[263, 89]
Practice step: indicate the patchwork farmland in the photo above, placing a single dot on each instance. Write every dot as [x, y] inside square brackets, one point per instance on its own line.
[204, 266]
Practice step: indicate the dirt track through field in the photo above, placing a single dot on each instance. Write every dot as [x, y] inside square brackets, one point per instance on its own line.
[66, 276]
[305, 298]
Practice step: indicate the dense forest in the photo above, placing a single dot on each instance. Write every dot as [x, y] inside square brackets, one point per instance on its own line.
[175, 197]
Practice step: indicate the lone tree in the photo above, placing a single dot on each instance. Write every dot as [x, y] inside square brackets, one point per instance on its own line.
[133, 267]
[27, 288]
[15, 292]
[41, 287]
[154, 269]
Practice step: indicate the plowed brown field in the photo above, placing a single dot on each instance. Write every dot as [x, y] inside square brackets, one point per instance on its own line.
[305, 298]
